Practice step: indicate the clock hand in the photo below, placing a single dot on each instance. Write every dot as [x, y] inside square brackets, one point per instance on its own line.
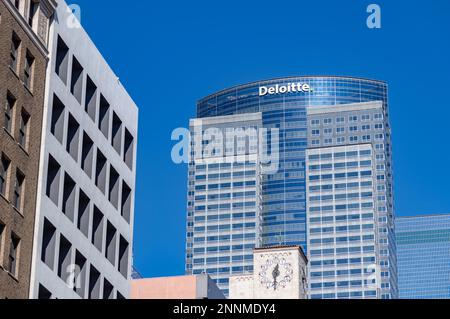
[275, 275]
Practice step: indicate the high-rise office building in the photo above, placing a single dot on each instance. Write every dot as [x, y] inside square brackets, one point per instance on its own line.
[23, 61]
[85, 198]
[423, 253]
[351, 246]
[313, 113]
[226, 192]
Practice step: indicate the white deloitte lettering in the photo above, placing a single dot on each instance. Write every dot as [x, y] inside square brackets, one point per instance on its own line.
[282, 89]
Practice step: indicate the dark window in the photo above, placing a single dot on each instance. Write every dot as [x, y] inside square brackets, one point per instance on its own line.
[13, 255]
[14, 53]
[76, 86]
[91, 99]
[28, 73]
[94, 284]
[103, 122]
[10, 102]
[53, 177]
[32, 13]
[116, 141]
[73, 137]
[87, 155]
[57, 125]
[48, 244]
[18, 190]
[23, 129]
[62, 60]
[4, 166]
[128, 153]
[44, 293]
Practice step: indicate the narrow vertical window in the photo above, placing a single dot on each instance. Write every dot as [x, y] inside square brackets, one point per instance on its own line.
[4, 166]
[10, 102]
[23, 129]
[14, 54]
[32, 12]
[28, 72]
[18, 190]
[13, 255]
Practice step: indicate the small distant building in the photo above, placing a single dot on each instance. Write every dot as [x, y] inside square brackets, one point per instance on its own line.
[179, 287]
[279, 273]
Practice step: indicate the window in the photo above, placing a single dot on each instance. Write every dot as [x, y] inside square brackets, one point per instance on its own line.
[57, 124]
[108, 290]
[128, 155]
[94, 283]
[23, 129]
[116, 141]
[28, 73]
[2, 232]
[10, 103]
[103, 122]
[340, 130]
[18, 190]
[90, 105]
[328, 131]
[13, 258]
[4, 166]
[73, 137]
[353, 118]
[100, 173]
[111, 239]
[123, 257]
[32, 12]
[315, 122]
[340, 120]
[48, 244]
[113, 193]
[315, 132]
[76, 86]
[327, 121]
[69, 197]
[14, 53]
[53, 177]
[87, 156]
[97, 229]
[65, 257]
[126, 202]
[80, 279]
[17, 4]
[83, 213]
[62, 60]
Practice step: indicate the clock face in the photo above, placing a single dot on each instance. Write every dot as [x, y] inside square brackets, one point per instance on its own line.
[276, 273]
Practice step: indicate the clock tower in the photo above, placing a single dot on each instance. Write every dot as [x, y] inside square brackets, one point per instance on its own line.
[278, 273]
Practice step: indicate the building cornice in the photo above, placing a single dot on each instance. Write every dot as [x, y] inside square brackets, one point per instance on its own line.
[48, 7]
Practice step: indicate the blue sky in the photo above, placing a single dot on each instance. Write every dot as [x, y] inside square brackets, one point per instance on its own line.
[168, 54]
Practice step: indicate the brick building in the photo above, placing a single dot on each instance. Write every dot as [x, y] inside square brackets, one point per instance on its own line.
[24, 27]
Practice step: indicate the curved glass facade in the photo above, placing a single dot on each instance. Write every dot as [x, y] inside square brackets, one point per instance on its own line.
[284, 193]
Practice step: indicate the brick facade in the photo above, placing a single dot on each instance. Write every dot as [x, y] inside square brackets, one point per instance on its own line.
[19, 222]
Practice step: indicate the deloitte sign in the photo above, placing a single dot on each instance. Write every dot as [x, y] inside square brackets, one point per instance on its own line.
[282, 89]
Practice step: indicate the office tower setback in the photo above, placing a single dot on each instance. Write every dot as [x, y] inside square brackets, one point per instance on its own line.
[315, 116]
[23, 62]
[423, 253]
[84, 223]
[225, 189]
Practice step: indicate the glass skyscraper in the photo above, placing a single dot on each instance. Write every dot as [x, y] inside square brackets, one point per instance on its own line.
[423, 252]
[293, 106]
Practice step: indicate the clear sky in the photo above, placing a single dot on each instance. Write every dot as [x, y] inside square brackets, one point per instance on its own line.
[168, 54]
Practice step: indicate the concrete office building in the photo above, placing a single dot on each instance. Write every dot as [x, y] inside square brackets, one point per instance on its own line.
[23, 61]
[423, 253]
[312, 113]
[226, 191]
[84, 223]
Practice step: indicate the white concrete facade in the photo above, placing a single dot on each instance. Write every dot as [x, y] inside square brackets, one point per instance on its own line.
[279, 273]
[85, 209]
